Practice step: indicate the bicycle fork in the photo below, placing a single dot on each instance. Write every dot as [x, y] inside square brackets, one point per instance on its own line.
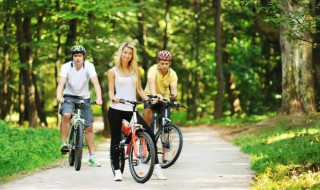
[143, 144]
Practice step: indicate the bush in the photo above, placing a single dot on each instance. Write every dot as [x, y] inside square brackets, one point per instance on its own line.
[27, 149]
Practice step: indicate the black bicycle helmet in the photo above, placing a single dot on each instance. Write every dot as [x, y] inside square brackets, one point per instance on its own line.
[78, 49]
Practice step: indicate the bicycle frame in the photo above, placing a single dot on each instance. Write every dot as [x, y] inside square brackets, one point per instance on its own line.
[76, 116]
[76, 134]
[134, 126]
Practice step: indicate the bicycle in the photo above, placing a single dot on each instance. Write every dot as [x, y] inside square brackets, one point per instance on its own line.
[139, 150]
[76, 135]
[169, 137]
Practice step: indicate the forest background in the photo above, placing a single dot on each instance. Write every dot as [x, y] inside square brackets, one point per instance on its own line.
[234, 58]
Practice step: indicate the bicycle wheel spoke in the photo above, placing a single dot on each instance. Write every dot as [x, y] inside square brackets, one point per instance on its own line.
[169, 150]
[141, 165]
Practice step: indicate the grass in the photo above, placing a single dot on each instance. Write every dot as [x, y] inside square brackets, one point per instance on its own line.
[24, 149]
[284, 154]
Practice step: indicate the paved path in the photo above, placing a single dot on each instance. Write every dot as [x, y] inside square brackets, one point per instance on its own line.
[206, 162]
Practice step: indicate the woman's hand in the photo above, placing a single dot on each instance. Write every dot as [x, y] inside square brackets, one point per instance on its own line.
[115, 100]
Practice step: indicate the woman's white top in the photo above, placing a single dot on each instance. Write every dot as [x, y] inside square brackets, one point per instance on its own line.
[125, 88]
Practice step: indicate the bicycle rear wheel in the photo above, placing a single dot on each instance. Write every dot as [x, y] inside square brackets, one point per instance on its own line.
[171, 146]
[71, 143]
[122, 159]
[78, 145]
[142, 165]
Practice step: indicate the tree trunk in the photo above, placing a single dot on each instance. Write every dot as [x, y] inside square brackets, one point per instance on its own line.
[5, 90]
[24, 36]
[141, 36]
[101, 78]
[39, 104]
[58, 62]
[72, 34]
[297, 79]
[167, 19]
[316, 57]
[218, 103]
[39, 89]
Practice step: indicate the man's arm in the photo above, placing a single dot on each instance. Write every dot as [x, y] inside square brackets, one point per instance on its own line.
[152, 85]
[97, 88]
[61, 83]
[174, 91]
[174, 86]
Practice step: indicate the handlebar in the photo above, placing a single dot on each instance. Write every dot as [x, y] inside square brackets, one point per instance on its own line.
[80, 102]
[123, 101]
[174, 103]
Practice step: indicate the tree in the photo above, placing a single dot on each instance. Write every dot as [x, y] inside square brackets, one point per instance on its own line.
[296, 54]
[218, 103]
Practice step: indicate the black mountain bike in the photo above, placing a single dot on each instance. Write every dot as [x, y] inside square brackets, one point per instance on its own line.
[76, 136]
[139, 150]
[169, 136]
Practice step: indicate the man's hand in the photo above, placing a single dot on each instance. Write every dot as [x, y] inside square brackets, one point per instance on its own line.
[153, 100]
[99, 102]
[60, 100]
[160, 97]
[173, 97]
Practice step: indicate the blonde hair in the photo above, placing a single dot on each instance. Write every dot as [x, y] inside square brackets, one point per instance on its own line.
[133, 63]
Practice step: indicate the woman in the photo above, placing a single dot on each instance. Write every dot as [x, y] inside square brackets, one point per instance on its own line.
[123, 82]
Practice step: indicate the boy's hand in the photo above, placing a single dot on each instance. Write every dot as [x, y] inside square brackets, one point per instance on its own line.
[160, 97]
[99, 102]
[173, 96]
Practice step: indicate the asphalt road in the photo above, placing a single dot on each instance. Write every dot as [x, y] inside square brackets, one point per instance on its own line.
[206, 162]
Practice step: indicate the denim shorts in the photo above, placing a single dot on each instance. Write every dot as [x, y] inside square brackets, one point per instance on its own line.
[86, 111]
[158, 107]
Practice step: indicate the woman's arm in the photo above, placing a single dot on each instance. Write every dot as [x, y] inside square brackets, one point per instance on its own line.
[97, 88]
[111, 77]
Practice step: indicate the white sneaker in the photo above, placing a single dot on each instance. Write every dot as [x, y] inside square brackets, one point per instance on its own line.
[117, 175]
[158, 173]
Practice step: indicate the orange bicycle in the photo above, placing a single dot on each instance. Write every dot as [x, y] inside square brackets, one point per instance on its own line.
[139, 150]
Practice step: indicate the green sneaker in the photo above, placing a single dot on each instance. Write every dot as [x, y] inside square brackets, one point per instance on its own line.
[93, 161]
[64, 148]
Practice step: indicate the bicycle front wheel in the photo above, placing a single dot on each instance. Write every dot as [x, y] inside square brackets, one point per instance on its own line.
[169, 145]
[142, 163]
[71, 143]
[78, 145]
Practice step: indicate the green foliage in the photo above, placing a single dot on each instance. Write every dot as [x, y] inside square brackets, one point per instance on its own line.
[27, 149]
[284, 155]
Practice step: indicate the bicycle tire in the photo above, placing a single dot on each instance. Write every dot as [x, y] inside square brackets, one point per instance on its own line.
[175, 145]
[71, 143]
[142, 167]
[122, 159]
[78, 145]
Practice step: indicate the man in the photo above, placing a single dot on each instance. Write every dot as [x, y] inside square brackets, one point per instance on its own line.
[76, 75]
[162, 82]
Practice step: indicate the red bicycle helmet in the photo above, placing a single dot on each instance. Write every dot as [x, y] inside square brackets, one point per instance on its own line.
[165, 55]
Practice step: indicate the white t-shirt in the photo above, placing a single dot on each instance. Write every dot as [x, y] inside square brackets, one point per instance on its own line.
[77, 83]
[125, 88]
